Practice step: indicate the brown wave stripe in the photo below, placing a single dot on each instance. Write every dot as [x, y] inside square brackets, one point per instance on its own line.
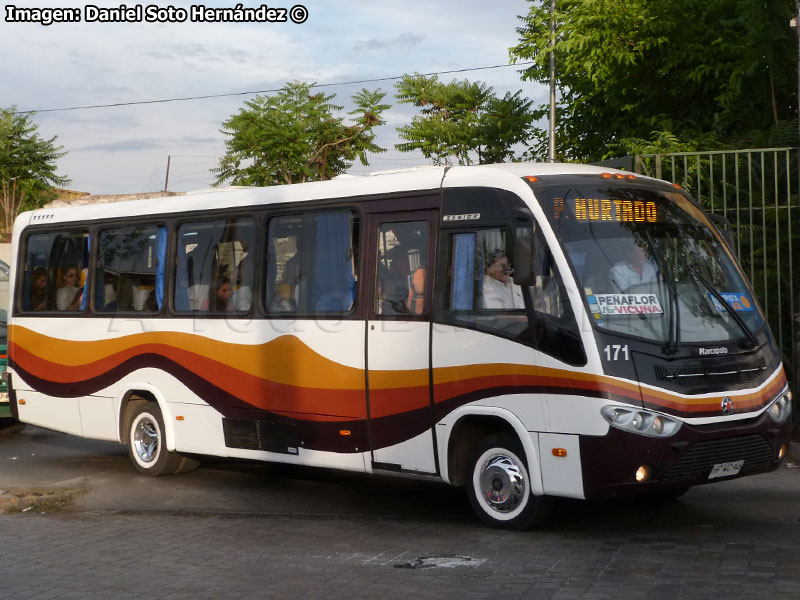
[285, 376]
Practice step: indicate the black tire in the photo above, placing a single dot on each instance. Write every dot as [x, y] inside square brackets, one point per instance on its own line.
[499, 486]
[187, 464]
[147, 442]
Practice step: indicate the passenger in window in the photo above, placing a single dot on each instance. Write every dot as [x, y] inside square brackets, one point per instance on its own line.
[401, 262]
[635, 269]
[39, 289]
[69, 296]
[242, 295]
[498, 289]
[287, 289]
[220, 301]
[109, 299]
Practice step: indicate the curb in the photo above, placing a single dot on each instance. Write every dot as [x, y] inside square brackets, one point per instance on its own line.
[15, 500]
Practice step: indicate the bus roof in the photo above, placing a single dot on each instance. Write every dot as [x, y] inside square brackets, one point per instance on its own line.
[415, 179]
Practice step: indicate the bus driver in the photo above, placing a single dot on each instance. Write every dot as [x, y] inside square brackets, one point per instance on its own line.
[498, 289]
[635, 269]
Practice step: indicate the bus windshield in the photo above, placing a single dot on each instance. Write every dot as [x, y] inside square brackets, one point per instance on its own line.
[649, 265]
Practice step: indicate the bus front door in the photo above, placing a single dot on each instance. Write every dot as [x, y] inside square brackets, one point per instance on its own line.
[398, 341]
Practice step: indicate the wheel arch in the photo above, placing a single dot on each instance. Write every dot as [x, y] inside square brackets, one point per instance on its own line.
[473, 424]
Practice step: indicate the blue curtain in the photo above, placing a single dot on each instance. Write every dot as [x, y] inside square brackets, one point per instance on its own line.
[181, 282]
[333, 285]
[161, 254]
[463, 271]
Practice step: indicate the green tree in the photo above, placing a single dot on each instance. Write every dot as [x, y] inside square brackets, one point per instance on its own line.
[27, 166]
[463, 120]
[695, 69]
[294, 136]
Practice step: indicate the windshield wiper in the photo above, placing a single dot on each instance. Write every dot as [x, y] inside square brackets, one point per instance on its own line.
[674, 325]
[674, 341]
[728, 308]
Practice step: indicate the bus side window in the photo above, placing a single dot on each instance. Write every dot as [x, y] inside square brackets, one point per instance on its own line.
[48, 258]
[555, 329]
[130, 269]
[311, 263]
[214, 266]
[481, 293]
[402, 249]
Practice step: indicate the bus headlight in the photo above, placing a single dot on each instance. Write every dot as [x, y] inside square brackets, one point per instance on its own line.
[781, 407]
[642, 422]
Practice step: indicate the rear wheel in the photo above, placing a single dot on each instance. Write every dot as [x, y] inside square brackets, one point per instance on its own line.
[147, 443]
[499, 486]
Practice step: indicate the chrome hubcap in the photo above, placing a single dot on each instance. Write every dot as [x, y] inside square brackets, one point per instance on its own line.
[502, 483]
[145, 440]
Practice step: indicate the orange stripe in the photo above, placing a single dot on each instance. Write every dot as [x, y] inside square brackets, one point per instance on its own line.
[275, 375]
[285, 359]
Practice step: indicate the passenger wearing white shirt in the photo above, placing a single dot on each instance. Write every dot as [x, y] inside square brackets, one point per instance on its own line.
[498, 289]
[69, 296]
[637, 269]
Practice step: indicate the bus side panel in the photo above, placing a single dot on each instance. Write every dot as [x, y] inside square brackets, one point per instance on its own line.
[303, 379]
[562, 474]
[59, 414]
[487, 381]
[98, 418]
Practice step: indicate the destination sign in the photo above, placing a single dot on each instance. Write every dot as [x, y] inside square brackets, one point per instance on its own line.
[608, 209]
[625, 304]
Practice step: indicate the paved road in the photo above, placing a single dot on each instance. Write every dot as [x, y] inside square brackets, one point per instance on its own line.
[241, 530]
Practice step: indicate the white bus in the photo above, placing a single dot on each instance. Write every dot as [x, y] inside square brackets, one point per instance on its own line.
[526, 331]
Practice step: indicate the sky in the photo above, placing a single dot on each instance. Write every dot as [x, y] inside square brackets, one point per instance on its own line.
[125, 149]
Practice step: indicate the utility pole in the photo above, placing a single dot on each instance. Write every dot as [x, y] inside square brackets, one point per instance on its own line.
[166, 181]
[551, 142]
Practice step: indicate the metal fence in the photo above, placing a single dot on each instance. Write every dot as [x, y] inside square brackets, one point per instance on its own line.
[758, 192]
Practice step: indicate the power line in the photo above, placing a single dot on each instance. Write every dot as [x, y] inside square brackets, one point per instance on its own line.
[270, 91]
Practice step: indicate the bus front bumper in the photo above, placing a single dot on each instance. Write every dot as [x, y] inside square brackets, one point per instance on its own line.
[695, 455]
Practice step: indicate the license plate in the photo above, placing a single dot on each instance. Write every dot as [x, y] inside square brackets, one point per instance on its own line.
[3, 397]
[726, 469]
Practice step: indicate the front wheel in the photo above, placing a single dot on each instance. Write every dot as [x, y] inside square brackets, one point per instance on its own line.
[147, 443]
[499, 486]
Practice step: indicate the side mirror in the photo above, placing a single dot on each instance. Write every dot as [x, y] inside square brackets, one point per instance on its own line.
[524, 257]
